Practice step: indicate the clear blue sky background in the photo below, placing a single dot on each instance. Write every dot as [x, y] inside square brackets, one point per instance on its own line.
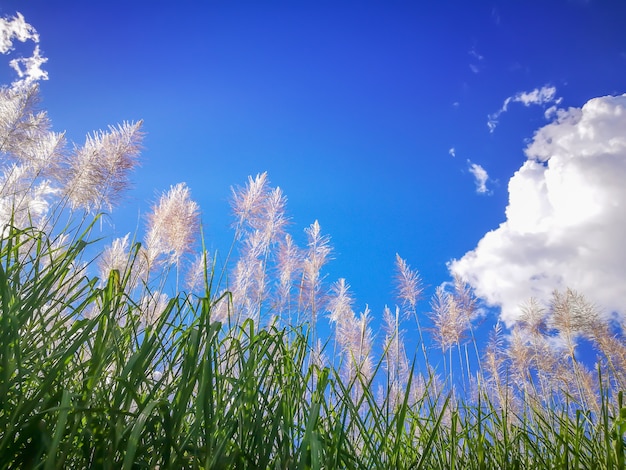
[353, 108]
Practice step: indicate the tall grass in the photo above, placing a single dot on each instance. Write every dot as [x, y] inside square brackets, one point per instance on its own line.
[130, 353]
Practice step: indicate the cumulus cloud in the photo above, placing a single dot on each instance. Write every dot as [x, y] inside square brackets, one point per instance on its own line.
[538, 96]
[480, 177]
[565, 221]
[452, 152]
[28, 69]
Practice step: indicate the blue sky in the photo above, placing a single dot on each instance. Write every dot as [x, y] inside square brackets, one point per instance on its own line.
[373, 118]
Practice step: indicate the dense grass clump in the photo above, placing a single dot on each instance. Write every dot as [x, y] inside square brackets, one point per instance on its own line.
[133, 353]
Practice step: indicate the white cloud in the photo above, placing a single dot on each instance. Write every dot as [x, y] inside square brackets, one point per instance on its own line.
[480, 177]
[28, 69]
[565, 223]
[538, 96]
[541, 95]
[452, 152]
[15, 28]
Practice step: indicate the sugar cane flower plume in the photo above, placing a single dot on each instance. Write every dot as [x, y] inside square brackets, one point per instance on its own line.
[30, 154]
[356, 339]
[572, 316]
[396, 362]
[317, 255]
[30, 159]
[249, 202]
[260, 218]
[449, 320]
[120, 256]
[260, 223]
[289, 264]
[98, 172]
[25, 136]
[173, 226]
[23, 202]
[114, 257]
[353, 334]
[151, 307]
[408, 283]
[199, 273]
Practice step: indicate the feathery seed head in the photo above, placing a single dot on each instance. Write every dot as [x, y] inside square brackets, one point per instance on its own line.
[151, 307]
[196, 274]
[494, 354]
[221, 311]
[356, 339]
[318, 253]
[17, 107]
[260, 212]
[393, 333]
[533, 317]
[242, 279]
[23, 201]
[408, 283]
[366, 339]
[249, 202]
[340, 303]
[25, 136]
[114, 257]
[173, 224]
[289, 260]
[288, 264]
[571, 314]
[274, 214]
[390, 321]
[98, 172]
[316, 257]
[464, 298]
[254, 245]
[450, 321]
[46, 154]
[396, 362]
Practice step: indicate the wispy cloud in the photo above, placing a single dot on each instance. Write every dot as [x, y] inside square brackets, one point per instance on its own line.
[477, 57]
[480, 177]
[474, 53]
[28, 69]
[565, 224]
[495, 16]
[538, 96]
[452, 152]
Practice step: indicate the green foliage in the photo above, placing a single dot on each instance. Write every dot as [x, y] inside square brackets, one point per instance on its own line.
[85, 390]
